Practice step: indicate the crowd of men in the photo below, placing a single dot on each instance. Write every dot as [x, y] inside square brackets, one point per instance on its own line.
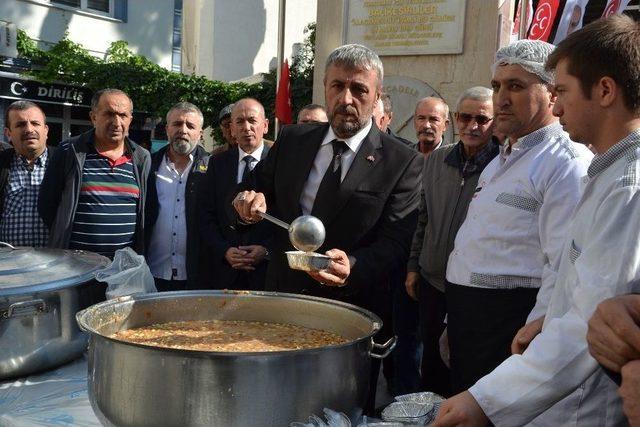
[504, 263]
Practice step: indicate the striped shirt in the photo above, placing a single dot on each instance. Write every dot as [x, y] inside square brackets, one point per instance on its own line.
[20, 223]
[105, 218]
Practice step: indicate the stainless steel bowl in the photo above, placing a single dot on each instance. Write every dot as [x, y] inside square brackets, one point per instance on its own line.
[136, 385]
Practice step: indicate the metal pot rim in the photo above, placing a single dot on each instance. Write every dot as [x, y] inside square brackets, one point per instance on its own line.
[81, 318]
[78, 268]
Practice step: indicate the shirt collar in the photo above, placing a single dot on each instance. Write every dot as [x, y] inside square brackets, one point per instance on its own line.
[353, 142]
[456, 157]
[39, 161]
[538, 136]
[627, 145]
[531, 140]
[257, 153]
[168, 159]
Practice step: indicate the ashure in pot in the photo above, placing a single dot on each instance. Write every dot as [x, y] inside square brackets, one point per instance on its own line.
[136, 385]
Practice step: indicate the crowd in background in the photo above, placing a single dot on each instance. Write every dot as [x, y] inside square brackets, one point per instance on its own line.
[492, 259]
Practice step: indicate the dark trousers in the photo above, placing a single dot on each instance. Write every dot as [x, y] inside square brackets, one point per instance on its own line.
[436, 377]
[406, 356]
[380, 305]
[481, 325]
[163, 285]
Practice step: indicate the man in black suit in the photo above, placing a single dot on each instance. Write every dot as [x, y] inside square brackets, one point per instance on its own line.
[239, 253]
[362, 184]
[173, 241]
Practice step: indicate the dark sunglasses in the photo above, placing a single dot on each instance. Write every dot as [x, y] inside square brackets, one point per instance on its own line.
[480, 119]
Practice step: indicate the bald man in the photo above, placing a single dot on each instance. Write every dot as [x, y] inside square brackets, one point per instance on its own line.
[239, 256]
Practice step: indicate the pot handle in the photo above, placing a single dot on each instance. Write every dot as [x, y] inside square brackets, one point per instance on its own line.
[386, 348]
[8, 245]
[25, 309]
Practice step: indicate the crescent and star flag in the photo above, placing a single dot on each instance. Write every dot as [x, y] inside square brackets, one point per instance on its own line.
[283, 97]
[516, 21]
[571, 19]
[615, 6]
[543, 20]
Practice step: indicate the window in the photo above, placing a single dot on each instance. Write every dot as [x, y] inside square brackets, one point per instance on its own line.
[112, 8]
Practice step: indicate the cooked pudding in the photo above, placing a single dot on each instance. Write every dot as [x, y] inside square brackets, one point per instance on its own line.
[229, 336]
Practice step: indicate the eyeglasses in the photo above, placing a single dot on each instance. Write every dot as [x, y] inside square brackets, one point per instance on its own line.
[480, 119]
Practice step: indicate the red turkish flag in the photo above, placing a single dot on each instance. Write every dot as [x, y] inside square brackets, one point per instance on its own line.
[516, 21]
[543, 20]
[283, 97]
[615, 6]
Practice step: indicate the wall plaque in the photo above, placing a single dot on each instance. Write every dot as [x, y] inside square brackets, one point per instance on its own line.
[406, 27]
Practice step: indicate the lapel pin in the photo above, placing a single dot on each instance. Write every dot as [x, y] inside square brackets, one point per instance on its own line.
[370, 158]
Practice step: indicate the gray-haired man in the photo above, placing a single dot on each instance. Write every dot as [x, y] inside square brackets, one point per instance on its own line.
[360, 182]
[449, 181]
[173, 237]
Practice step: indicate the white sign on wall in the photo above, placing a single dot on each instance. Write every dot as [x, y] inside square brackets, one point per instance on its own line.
[405, 92]
[407, 27]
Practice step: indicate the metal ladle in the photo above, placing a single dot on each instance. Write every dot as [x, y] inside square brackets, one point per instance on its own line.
[306, 232]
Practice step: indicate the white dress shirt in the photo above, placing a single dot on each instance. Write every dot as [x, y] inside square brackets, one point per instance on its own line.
[600, 259]
[322, 160]
[257, 154]
[168, 244]
[517, 220]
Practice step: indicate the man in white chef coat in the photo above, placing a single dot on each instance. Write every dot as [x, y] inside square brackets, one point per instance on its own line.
[506, 254]
[551, 379]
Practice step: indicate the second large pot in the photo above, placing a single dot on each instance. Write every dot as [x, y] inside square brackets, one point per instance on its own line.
[40, 292]
[135, 385]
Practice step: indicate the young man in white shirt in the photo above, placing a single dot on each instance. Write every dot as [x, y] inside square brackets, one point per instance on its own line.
[506, 253]
[551, 379]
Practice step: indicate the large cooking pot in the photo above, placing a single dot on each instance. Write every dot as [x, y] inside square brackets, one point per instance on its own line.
[40, 292]
[136, 385]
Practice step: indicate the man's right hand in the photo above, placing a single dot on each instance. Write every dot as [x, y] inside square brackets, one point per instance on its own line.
[411, 284]
[248, 204]
[614, 334]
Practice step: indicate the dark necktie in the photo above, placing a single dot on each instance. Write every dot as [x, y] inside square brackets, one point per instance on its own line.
[330, 184]
[246, 173]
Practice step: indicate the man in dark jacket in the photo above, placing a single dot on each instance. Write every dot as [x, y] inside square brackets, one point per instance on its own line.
[173, 237]
[361, 183]
[22, 167]
[93, 193]
[238, 254]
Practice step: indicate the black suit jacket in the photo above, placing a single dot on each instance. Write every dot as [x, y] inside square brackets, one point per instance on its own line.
[196, 273]
[220, 228]
[373, 215]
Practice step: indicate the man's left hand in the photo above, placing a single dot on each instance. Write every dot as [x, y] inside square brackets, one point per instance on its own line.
[255, 252]
[525, 335]
[337, 272]
[461, 410]
[630, 392]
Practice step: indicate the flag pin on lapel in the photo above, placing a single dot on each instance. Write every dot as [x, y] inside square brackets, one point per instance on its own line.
[371, 158]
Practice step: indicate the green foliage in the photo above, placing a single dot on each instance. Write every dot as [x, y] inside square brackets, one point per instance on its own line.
[154, 89]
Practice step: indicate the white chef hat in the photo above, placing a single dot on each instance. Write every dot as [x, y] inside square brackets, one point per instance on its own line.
[529, 54]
